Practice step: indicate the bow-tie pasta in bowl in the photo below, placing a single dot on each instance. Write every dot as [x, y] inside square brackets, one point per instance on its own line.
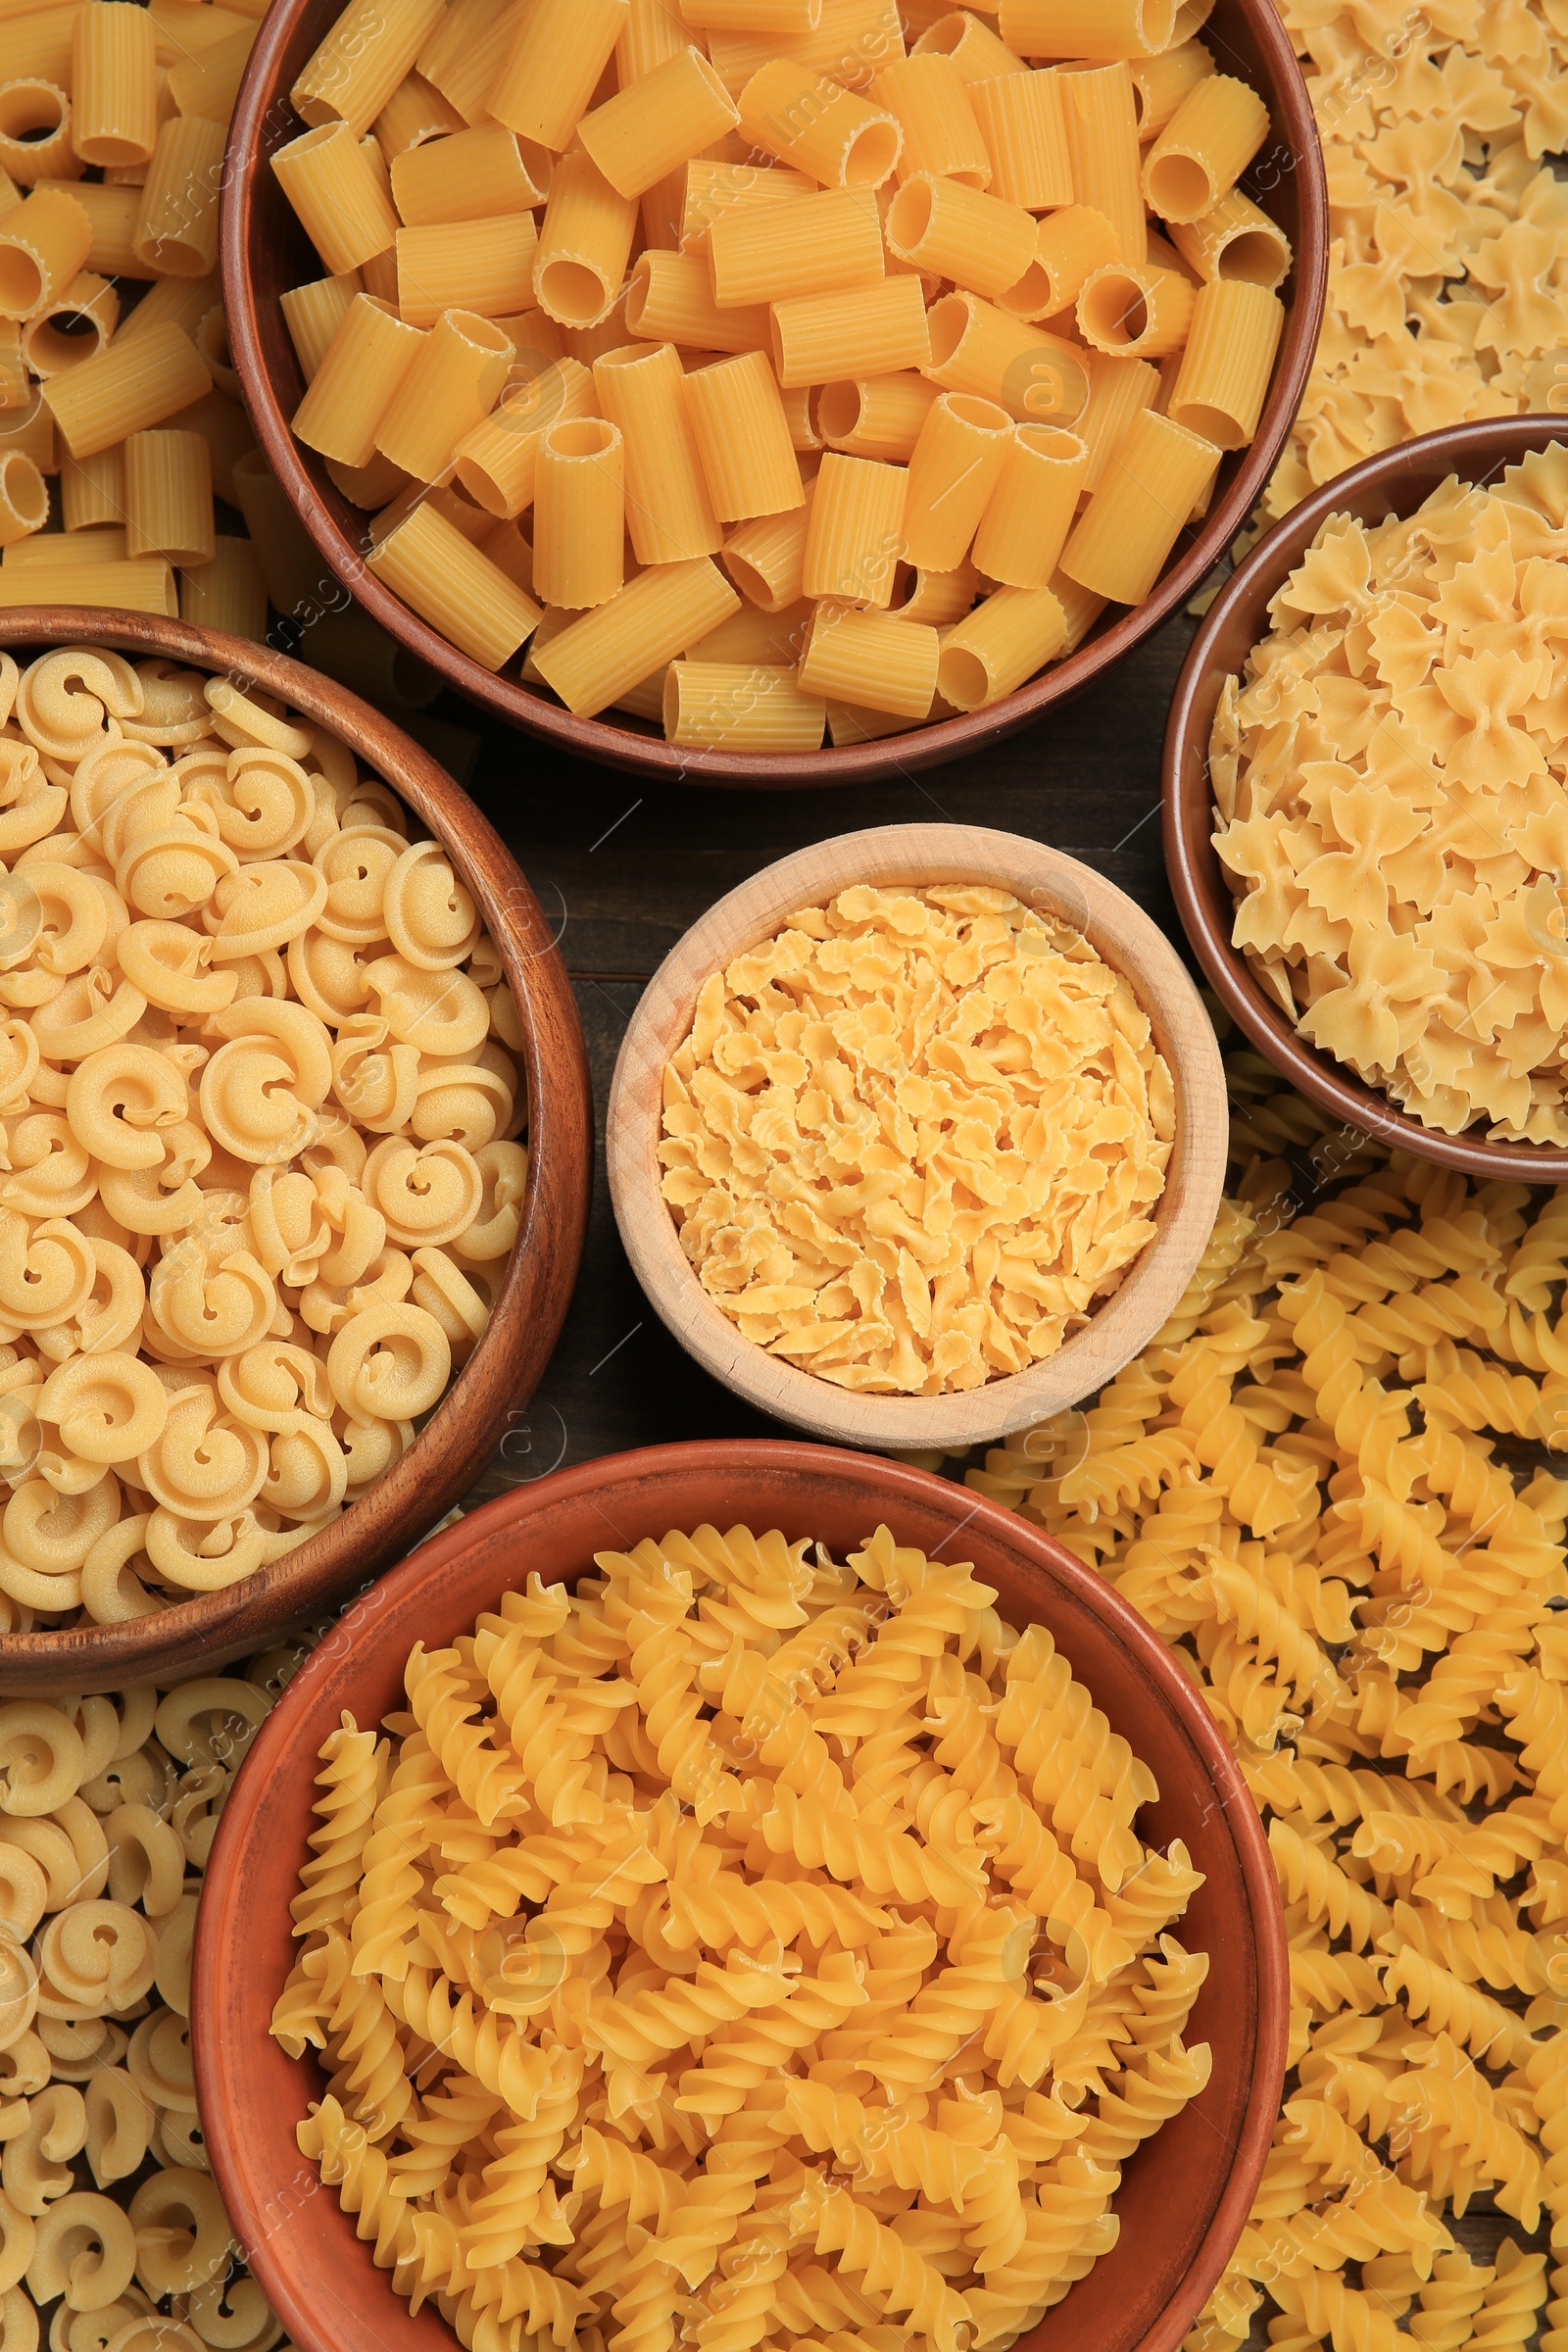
[264, 1162]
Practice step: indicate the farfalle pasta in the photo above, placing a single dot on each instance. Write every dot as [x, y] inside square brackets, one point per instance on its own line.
[1390, 778]
[261, 1102]
[913, 1140]
[661, 1980]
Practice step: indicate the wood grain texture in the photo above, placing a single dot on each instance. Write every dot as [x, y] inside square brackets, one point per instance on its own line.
[1185, 2193]
[1121, 934]
[264, 252]
[452, 1449]
[1392, 483]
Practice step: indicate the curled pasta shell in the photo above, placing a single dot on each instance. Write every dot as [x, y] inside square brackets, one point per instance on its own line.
[23, 1891]
[503, 1174]
[328, 975]
[73, 921]
[295, 1028]
[54, 1533]
[249, 1104]
[112, 1594]
[18, 1061]
[440, 1013]
[92, 1010]
[85, 2249]
[182, 2233]
[146, 1865]
[40, 1757]
[118, 2123]
[159, 2057]
[309, 1475]
[202, 1465]
[431, 919]
[112, 1317]
[108, 781]
[174, 870]
[460, 1103]
[117, 1097]
[19, 2000]
[30, 807]
[240, 720]
[261, 801]
[170, 965]
[46, 1272]
[20, 908]
[176, 1936]
[235, 2318]
[376, 1083]
[267, 1387]
[389, 1363]
[151, 2331]
[159, 1201]
[213, 1309]
[444, 1290]
[108, 1408]
[211, 1720]
[64, 697]
[95, 1957]
[35, 2167]
[174, 706]
[51, 1170]
[427, 1196]
[356, 867]
[371, 1447]
[203, 1555]
[262, 906]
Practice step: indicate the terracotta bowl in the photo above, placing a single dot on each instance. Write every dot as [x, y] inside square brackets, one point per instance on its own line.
[915, 854]
[456, 1442]
[1185, 2195]
[264, 252]
[1395, 483]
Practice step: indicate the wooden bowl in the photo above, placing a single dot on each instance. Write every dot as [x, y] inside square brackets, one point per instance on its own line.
[456, 1442]
[1394, 483]
[264, 252]
[1185, 2195]
[920, 855]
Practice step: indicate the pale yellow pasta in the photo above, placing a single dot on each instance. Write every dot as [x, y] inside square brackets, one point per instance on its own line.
[713, 191]
[1030, 512]
[73, 326]
[872, 331]
[817, 245]
[647, 131]
[169, 496]
[369, 49]
[412, 117]
[474, 176]
[342, 204]
[209, 86]
[853, 38]
[1024, 127]
[1162, 82]
[593, 660]
[36, 125]
[496, 463]
[876, 416]
[559, 50]
[1102, 146]
[486, 267]
[975, 48]
[670, 515]
[955, 467]
[955, 231]
[428, 562]
[44, 242]
[92, 490]
[758, 706]
[1038, 377]
[1117, 390]
[23, 498]
[669, 298]
[1069, 247]
[927, 96]
[1235, 240]
[1204, 148]
[870, 658]
[1135, 312]
[357, 377]
[114, 84]
[579, 523]
[1088, 28]
[144, 586]
[1155, 473]
[583, 243]
[454, 381]
[743, 438]
[228, 593]
[1227, 362]
[818, 128]
[1005, 639]
[854, 535]
[767, 558]
[176, 225]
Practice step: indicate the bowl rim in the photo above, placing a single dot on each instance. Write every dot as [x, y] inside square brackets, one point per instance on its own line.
[211, 1628]
[261, 110]
[258, 2201]
[922, 856]
[1478, 452]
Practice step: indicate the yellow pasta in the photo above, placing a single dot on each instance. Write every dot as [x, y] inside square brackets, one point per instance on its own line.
[855, 533]
[106, 544]
[92, 490]
[579, 520]
[559, 51]
[314, 314]
[1030, 511]
[427, 562]
[1204, 148]
[594, 660]
[1102, 144]
[144, 586]
[737, 707]
[368, 51]
[169, 496]
[112, 214]
[496, 463]
[646, 131]
[342, 204]
[412, 117]
[1004, 640]
[955, 231]
[23, 497]
[1154, 474]
[818, 128]
[583, 242]
[1161, 82]
[1117, 390]
[953, 470]
[819, 245]
[852, 39]
[1069, 247]
[977, 51]
[870, 657]
[713, 191]
[669, 516]
[358, 375]
[876, 416]
[482, 265]
[1135, 312]
[767, 558]
[36, 130]
[176, 226]
[927, 96]
[125, 389]
[743, 438]
[455, 380]
[1227, 362]
[1037, 378]
[671, 299]
[114, 84]
[1088, 28]
[473, 175]
[1235, 240]
[870, 330]
[228, 593]
[44, 242]
[209, 86]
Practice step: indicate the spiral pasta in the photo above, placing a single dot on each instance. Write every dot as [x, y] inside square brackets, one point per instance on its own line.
[714, 2008]
[261, 1106]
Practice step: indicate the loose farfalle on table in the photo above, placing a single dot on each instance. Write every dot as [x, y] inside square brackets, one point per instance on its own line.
[260, 1113]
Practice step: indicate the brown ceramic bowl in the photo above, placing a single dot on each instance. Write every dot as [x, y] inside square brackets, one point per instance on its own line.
[264, 252]
[1187, 2191]
[1394, 483]
[456, 1442]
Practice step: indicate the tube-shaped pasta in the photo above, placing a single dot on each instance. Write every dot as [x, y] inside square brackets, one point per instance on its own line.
[1224, 376]
[877, 416]
[1235, 240]
[644, 132]
[1036, 376]
[752, 635]
[559, 51]
[455, 378]
[668, 513]
[448, 583]
[855, 533]
[1135, 312]
[314, 313]
[169, 496]
[1089, 28]
[1161, 83]
[1204, 148]
[1070, 246]
[766, 558]
[146, 586]
[872, 660]
[869, 331]
[31, 428]
[1120, 543]
[1029, 513]
[23, 498]
[956, 461]
[1117, 390]
[372, 46]
[928, 98]
[598, 659]
[114, 84]
[359, 378]
[671, 299]
[852, 39]
[817, 246]
[342, 206]
[743, 438]
[36, 129]
[44, 242]
[583, 244]
[125, 389]
[497, 463]
[950, 229]
[741, 706]
[112, 214]
[937, 598]
[713, 191]
[797, 399]
[176, 227]
[15, 386]
[228, 593]
[105, 545]
[289, 563]
[414, 116]
[974, 48]
[482, 265]
[1000, 643]
[473, 175]
[784, 17]
[651, 32]
[818, 127]
[209, 86]
[580, 515]
[1102, 144]
[92, 490]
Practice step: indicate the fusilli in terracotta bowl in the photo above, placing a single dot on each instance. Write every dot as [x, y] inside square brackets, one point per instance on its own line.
[457, 1440]
[1394, 483]
[1185, 2193]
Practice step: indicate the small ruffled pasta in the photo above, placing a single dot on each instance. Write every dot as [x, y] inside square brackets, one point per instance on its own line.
[711, 2004]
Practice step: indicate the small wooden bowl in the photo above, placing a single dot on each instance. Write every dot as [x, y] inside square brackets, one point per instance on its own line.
[1187, 2191]
[917, 856]
[1394, 483]
[456, 1442]
[264, 252]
